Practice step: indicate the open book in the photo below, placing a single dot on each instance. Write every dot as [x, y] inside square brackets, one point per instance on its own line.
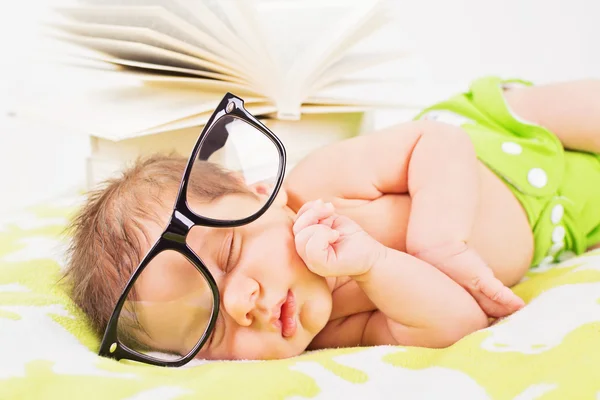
[290, 60]
[279, 55]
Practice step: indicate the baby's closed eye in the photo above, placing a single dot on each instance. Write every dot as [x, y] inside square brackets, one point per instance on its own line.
[228, 253]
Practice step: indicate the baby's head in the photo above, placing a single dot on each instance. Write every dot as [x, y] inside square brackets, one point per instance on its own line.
[256, 266]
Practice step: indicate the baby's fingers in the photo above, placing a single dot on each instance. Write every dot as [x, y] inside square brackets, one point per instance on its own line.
[307, 206]
[311, 216]
[314, 247]
[497, 292]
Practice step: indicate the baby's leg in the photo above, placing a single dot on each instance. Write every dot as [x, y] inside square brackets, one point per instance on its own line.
[502, 234]
[502, 237]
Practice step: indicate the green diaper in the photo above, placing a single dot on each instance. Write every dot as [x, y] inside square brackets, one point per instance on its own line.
[559, 189]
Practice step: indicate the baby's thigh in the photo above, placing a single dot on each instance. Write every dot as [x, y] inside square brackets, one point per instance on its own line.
[502, 234]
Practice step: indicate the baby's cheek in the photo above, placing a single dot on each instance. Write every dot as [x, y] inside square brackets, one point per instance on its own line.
[283, 251]
[253, 345]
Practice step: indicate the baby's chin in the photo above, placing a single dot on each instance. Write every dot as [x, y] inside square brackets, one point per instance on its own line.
[266, 356]
[292, 350]
[284, 355]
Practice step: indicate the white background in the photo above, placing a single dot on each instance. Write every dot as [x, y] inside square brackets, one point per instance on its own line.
[539, 40]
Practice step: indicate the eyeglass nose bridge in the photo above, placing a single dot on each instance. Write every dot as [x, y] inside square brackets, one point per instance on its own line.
[178, 228]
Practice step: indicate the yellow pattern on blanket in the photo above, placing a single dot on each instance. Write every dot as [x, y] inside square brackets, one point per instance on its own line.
[548, 350]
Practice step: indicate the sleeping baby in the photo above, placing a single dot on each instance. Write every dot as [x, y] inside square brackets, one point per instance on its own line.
[408, 236]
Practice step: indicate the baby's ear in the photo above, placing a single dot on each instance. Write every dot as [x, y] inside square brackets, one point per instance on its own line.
[265, 189]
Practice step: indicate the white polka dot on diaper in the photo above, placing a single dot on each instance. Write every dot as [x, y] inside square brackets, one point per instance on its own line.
[556, 247]
[537, 177]
[449, 117]
[557, 213]
[511, 148]
[558, 234]
[546, 261]
[567, 255]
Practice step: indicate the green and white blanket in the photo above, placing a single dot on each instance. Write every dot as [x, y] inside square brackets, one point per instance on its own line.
[549, 350]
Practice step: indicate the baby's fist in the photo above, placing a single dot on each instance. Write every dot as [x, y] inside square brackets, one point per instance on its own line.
[331, 244]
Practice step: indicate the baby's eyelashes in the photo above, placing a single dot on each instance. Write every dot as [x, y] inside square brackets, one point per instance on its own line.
[230, 264]
[229, 253]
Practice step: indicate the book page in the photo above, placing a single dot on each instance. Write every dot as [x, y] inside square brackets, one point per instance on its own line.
[362, 24]
[216, 17]
[147, 37]
[144, 37]
[352, 64]
[372, 54]
[164, 81]
[118, 111]
[300, 32]
[56, 52]
[243, 19]
[291, 28]
[155, 68]
[256, 109]
[142, 53]
[154, 18]
[205, 15]
[243, 16]
[197, 83]
[167, 70]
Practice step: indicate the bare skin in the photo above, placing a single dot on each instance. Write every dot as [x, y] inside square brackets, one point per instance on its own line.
[385, 218]
[381, 202]
[416, 214]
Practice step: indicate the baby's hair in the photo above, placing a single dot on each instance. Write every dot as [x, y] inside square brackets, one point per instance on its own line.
[108, 233]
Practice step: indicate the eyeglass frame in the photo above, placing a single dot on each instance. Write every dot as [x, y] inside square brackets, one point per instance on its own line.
[182, 220]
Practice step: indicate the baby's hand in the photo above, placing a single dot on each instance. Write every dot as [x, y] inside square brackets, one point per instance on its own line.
[333, 245]
[467, 268]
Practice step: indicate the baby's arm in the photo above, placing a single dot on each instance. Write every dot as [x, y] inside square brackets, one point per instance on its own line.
[570, 110]
[436, 164]
[417, 304]
[443, 182]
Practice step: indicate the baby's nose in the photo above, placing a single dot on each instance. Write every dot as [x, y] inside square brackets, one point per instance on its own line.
[242, 309]
[247, 306]
[240, 300]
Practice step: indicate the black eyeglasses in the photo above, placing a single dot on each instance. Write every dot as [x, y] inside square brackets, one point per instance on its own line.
[235, 142]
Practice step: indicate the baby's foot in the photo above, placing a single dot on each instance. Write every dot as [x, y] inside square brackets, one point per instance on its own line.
[466, 267]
